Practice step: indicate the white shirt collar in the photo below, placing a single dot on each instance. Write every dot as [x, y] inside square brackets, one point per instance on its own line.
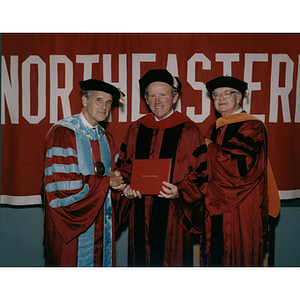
[238, 111]
[85, 122]
[156, 119]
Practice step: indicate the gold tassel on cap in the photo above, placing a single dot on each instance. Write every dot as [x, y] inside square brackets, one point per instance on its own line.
[247, 92]
[175, 83]
[121, 100]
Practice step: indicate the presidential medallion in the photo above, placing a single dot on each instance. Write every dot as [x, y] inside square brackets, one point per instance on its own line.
[99, 168]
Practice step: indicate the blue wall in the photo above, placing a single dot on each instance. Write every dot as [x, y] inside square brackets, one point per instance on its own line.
[21, 238]
[21, 230]
[287, 235]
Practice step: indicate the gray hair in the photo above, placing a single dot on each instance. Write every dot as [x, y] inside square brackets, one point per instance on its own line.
[87, 94]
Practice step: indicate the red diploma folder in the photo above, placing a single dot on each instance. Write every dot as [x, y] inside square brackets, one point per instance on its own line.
[148, 174]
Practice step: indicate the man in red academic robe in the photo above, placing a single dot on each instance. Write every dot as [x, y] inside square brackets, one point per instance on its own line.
[155, 236]
[237, 201]
[79, 205]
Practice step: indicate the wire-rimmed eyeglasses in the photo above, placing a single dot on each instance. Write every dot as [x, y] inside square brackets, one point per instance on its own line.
[226, 94]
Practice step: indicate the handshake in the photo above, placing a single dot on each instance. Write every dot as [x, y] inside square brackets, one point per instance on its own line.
[116, 180]
[170, 191]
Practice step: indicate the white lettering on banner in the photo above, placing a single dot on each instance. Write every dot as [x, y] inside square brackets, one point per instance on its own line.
[253, 86]
[10, 90]
[87, 61]
[277, 91]
[26, 67]
[172, 67]
[196, 85]
[280, 88]
[122, 84]
[227, 59]
[55, 91]
[137, 58]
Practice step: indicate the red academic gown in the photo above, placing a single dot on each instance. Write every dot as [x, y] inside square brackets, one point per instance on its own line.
[155, 236]
[237, 200]
[64, 224]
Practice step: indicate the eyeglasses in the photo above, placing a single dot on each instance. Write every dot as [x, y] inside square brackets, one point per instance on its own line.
[226, 95]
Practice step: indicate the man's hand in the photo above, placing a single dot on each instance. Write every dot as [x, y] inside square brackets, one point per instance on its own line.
[170, 191]
[116, 180]
[207, 141]
[130, 193]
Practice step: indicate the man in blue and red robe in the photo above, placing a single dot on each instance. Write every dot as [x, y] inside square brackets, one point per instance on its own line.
[80, 207]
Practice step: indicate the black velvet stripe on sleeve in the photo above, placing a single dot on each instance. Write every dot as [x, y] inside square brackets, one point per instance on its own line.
[248, 140]
[231, 131]
[201, 180]
[118, 163]
[200, 150]
[241, 160]
[123, 148]
[252, 153]
[202, 167]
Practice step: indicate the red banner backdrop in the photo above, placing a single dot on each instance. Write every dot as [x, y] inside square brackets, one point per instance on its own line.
[40, 75]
